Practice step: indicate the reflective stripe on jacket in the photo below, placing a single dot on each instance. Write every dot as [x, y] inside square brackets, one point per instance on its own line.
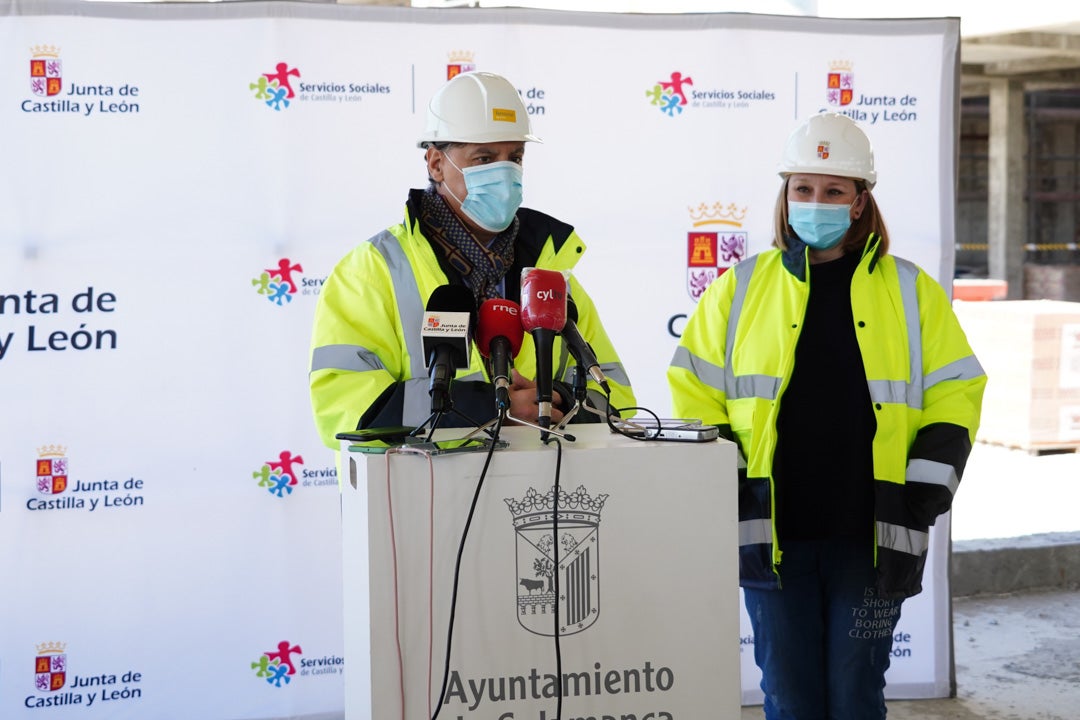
[366, 334]
[734, 362]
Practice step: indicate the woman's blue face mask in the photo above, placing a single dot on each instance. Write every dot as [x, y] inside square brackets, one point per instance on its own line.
[494, 193]
[819, 225]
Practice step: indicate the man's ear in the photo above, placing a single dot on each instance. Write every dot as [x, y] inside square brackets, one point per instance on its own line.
[434, 158]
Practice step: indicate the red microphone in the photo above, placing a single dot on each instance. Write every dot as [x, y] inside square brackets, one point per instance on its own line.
[498, 335]
[543, 314]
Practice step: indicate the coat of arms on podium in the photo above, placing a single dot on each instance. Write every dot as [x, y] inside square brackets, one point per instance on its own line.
[557, 546]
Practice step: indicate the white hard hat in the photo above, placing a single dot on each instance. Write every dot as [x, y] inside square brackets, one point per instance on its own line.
[477, 107]
[829, 144]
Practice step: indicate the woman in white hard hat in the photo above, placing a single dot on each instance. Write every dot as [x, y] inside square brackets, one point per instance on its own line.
[845, 379]
[467, 230]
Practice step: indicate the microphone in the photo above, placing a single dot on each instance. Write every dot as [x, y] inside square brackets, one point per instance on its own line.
[448, 322]
[580, 349]
[543, 313]
[498, 335]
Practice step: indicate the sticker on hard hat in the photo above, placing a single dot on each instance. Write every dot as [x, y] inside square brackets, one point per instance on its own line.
[504, 115]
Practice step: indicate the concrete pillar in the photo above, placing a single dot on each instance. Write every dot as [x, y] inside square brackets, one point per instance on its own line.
[1006, 224]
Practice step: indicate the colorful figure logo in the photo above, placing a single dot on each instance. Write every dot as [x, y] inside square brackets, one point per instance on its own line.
[50, 667]
[276, 666]
[45, 70]
[52, 470]
[277, 284]
[274, 88]
[578, 560]
[278, 476]
[841, 83]
[670, 95]
[709, 254]
[459, 61]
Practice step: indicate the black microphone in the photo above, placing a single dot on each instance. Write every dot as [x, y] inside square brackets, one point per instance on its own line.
[448, 323]
[580, 349]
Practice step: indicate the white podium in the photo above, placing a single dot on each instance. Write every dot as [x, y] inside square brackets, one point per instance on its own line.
[639, 561]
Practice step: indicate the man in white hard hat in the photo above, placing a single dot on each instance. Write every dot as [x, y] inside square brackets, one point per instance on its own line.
[466, 230]
[845, 378]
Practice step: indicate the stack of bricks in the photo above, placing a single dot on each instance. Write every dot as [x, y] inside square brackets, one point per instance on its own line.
[1030, 350]
[1052, 282]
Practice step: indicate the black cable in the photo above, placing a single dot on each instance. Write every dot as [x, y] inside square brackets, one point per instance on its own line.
[645, 435]
[457, 565]
[555, 571]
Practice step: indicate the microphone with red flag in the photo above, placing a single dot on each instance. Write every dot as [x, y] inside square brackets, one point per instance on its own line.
[498, 335]
[543, 315]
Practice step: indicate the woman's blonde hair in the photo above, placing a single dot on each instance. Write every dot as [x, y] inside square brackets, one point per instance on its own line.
[869, 221]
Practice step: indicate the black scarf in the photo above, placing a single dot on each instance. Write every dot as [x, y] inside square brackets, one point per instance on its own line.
[481, 267]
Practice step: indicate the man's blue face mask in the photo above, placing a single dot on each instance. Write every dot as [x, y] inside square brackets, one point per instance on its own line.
[819, 225]
[494, 193]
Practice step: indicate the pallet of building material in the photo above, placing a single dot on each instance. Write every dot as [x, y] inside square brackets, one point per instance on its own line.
[1030, 350]
[1052, 282]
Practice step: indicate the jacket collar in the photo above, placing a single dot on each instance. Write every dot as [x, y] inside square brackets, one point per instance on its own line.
[795, 258]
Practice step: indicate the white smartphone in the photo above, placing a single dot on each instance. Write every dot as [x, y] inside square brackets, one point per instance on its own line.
[677, 429]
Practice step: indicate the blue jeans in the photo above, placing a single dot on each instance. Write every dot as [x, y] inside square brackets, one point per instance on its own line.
[823, 640]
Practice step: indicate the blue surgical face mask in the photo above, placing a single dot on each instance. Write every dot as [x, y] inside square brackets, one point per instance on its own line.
[819, 225]
[494, 193]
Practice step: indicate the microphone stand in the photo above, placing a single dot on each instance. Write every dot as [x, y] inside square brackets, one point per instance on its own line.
[543, 430]
[577, 384]
[505, 414]
[437, 415]
[581, 399]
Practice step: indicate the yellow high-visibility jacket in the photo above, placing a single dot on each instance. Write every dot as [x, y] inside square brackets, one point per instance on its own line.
[735, 359]
[367, 359]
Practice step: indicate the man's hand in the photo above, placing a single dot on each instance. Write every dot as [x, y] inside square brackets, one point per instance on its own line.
[523, 405]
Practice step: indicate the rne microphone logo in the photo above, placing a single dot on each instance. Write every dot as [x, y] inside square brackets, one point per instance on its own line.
[670, 95]
[459, 61]
[278, 284]
[710, 253]
[840, 83]
[278, 477]
[505, 307]
[577, 516]
[52, 470]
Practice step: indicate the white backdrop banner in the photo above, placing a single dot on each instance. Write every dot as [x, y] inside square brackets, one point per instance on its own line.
[179, 180]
